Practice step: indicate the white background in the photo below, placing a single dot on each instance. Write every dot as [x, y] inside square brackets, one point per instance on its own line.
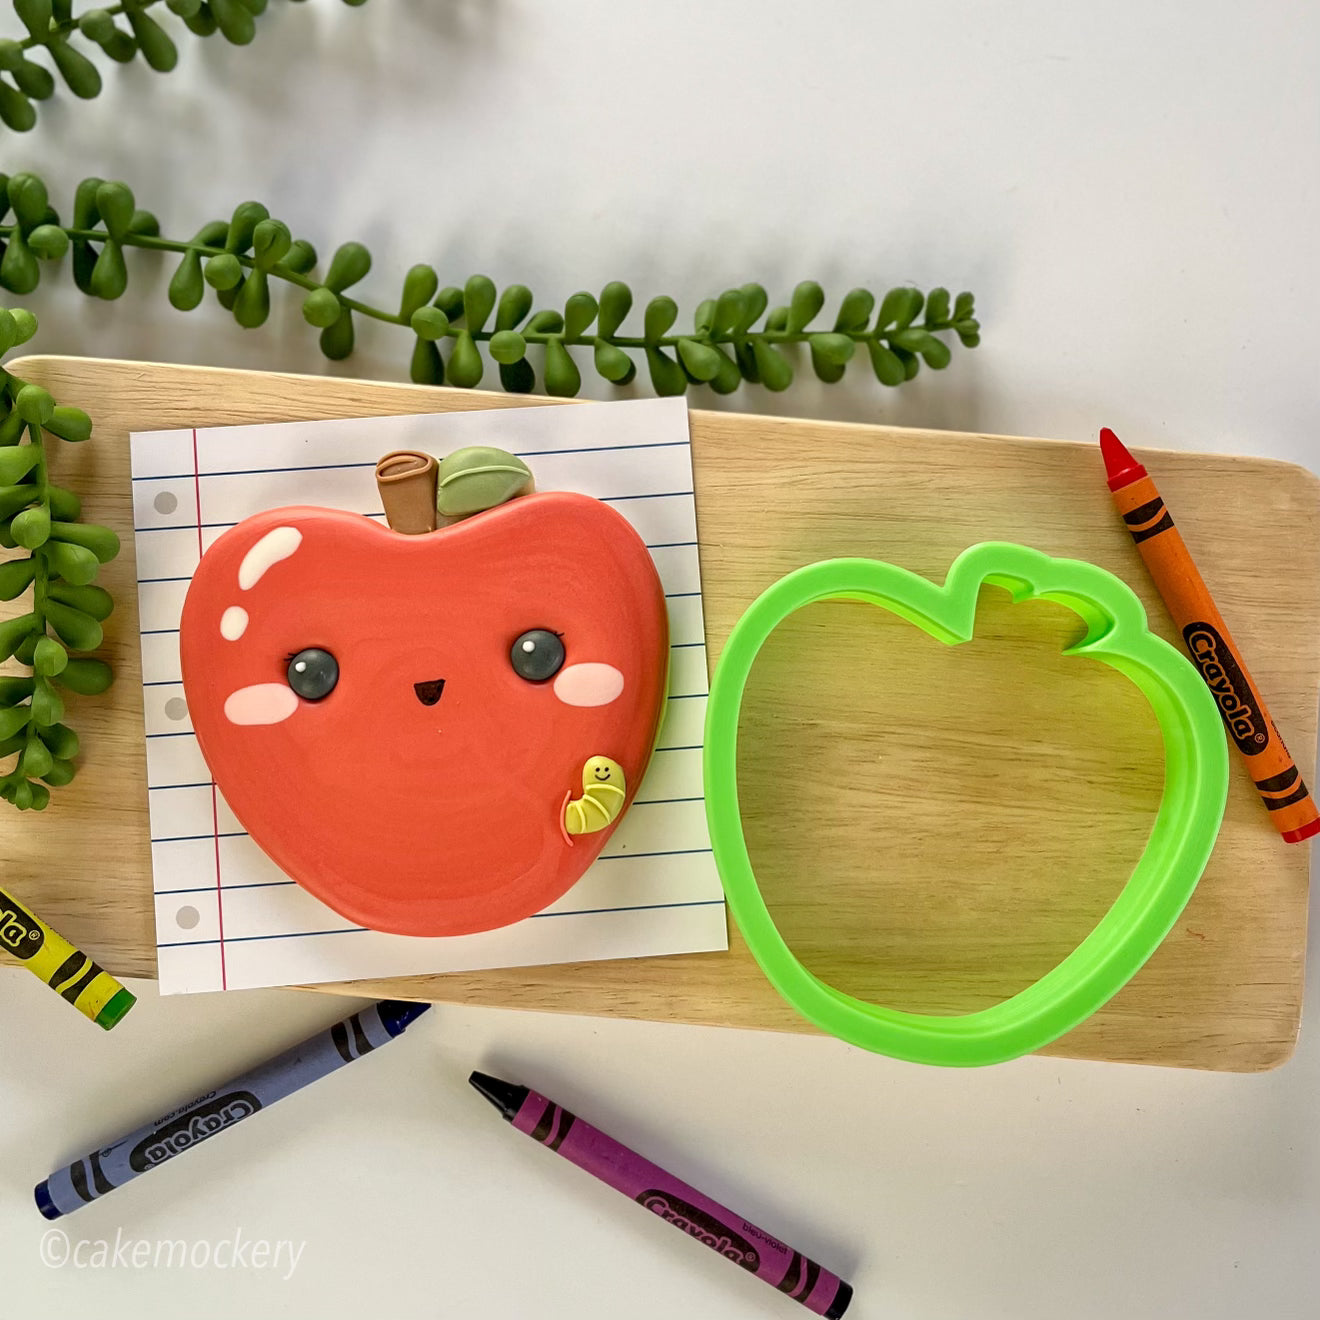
[1131, 190]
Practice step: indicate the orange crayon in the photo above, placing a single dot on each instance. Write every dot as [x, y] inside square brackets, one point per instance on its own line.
[1213, 651]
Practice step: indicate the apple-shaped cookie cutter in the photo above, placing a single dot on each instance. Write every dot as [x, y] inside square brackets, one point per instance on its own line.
[1180, 842]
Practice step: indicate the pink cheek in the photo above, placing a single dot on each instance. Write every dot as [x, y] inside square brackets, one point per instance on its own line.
[588, 685]
[262, 703]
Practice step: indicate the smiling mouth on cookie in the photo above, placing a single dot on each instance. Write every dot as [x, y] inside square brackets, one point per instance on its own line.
[429, 692]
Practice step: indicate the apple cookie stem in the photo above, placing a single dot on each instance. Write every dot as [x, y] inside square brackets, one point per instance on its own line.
[407, 480]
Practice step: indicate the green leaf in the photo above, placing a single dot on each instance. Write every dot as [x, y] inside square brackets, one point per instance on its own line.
[80, 631]
[730, 309]
[71, 424]
[96, 25]
[746, 360]
[101, 541]
[15, 577]
[86, 677]
[964, 306]
[579, 312]
[427, 366]
[299, 259]
[754, 303]
[49, 242]
[703, 319]
[14, 688]
[11, 54]
[777, 320]
[91, 600]
[667, 376]
[888, 369]
[73, 563]
[86, 212]
[350, 264]
[562, 378]
[911, 362]
[34, 81]
[12, 719]
[16, 110]
[271, 240]
[969, 332]
[701, 360]
[937, 307]
[479, 477]
[36, 759]
[157, 48]
[64, 504]
[27, 195]
[234, 20]
[661, 313]
[114, 202]
[109, 275]
[184, 8]
[187, 286]
[16, 462]
[546, 322]
[612, 362]
[430, 323]
[322, 308]
[419, 286]
[833, 348]
[728, 377]
[507, 346]
[615, 303]
[855, 310]
[478, 303]
[808, 298]
[827, 370]
[518, 377]
[61, 740]
[243, 226]
[515, 302]
[35, 15]
[31, 528]
[61, 773]
[201, 21]
[899, 308]
[26, 323]
[47, 708]
[19, 272]
[13, 498]
[49, 657]
[776, 373]
[252, 306]
[465, 367]
[337, 340]
[13, 632]
[34, 405]
[450, 301]
[223, 271]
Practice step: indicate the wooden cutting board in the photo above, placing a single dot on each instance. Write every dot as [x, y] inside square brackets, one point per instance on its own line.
[934, 827]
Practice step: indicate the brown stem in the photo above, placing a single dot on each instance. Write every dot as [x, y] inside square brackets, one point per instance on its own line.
[407, 480]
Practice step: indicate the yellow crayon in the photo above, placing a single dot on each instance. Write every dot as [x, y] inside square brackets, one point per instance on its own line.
[93, 992]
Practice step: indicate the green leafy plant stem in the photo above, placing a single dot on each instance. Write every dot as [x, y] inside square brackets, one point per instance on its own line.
[155, 243]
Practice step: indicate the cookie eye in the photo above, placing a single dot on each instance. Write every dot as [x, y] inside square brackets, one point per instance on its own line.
[313, 673]
[537, 655]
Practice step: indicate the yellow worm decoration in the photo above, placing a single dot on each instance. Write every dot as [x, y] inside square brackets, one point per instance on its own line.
[603, 792]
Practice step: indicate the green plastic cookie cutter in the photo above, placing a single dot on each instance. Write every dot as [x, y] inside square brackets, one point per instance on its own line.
[1180, 842]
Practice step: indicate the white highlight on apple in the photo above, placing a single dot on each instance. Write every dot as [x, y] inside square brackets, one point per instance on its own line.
[261, 703]
[274, 546]
[233, 623]
[590, 684]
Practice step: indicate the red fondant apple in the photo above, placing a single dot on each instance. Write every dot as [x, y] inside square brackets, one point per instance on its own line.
[399, 721]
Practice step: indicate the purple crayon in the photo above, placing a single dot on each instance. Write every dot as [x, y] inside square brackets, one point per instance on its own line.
[673, 1200]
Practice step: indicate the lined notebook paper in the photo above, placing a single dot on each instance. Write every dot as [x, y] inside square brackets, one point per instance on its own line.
[226, 916]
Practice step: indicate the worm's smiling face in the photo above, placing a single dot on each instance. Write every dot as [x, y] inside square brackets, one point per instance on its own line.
[396, 720]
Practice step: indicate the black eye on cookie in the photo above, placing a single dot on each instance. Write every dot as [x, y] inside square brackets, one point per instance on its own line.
[313, 673]
[537, 655]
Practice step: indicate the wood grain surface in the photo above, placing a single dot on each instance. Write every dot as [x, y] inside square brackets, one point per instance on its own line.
[934, 827]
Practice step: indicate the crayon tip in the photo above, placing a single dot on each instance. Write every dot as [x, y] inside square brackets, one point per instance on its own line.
[1121, 468]
[116, 1009]
[505, 1096]
[1307, 831]
[396, 1015]
[41, 1194]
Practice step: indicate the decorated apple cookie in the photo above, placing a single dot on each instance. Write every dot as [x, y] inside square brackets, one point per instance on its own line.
[433, 730]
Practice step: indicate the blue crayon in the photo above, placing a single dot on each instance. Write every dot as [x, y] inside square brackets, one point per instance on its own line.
[181, 1129]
